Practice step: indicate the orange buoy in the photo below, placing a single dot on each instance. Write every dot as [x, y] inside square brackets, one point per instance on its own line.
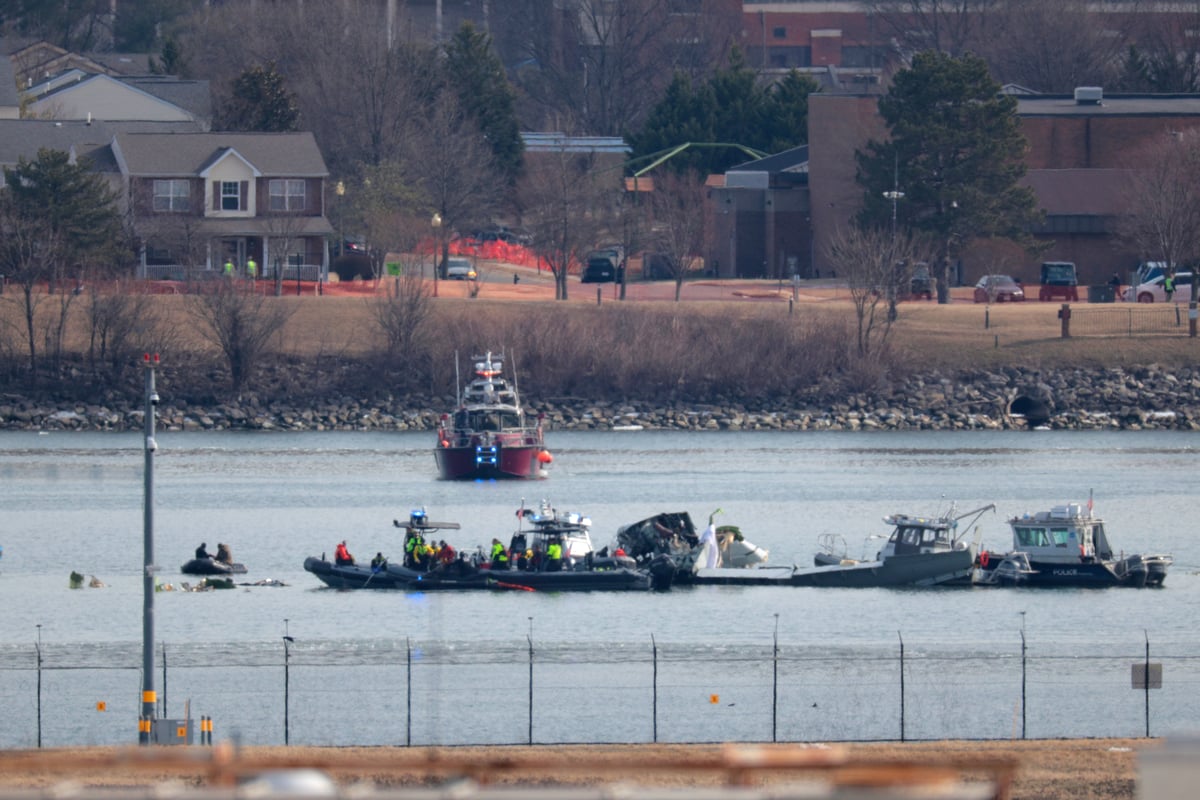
[983, 559]
[544, 456]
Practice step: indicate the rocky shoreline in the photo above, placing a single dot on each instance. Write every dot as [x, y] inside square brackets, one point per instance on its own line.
[1141, 398]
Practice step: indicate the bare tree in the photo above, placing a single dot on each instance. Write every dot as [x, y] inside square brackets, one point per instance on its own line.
[1163, 220]
[677, 232]
[30, 251]
[558, 192]
[358, 83]
[284, 232]
[604, 63]
[1052, 47]
[240, 323]
[120, 323]
[875, 263]
[178, 239]
[451, 165]
[403, 317]
[954, 27]
[1164, 52]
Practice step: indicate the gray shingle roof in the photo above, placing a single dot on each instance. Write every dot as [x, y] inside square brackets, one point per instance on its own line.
[193, 96]
[279, 154]
[24, 137]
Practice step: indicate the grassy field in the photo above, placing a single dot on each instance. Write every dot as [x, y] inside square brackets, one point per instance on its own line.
[722, 334]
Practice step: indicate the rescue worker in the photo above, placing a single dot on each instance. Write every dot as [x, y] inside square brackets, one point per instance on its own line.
[341, 556]
[446, 555]
[378, 563]
[223, 554]
[414, 547]
[202, 551]
[499, 555]
[554, 556]
[251, 268]
[1169, 286]
[229, 268]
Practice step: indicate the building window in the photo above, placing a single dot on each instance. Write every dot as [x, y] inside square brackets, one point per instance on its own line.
[172, 195]
[779, 33]
[231, 196]
[287, 195]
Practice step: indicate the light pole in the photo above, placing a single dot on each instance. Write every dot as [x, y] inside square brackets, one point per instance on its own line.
[436, 222]
[287, 640]
[340, 191]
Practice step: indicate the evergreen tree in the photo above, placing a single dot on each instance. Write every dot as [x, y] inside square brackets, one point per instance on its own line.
[955, 152]
[477, 77]
[732, 109]
[260, 102]
[56, 218]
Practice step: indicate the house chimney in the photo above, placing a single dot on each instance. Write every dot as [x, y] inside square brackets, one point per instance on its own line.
[1088, 95]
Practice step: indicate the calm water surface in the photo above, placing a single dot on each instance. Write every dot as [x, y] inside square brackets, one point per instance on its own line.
[74, 502]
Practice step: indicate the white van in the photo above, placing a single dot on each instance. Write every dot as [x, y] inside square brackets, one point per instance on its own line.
[459, 269]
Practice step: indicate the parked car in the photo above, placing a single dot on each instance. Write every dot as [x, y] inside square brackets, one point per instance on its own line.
[604, 265]
[350, 258]
[1152, 291]
[922, 285]
[998, 289]
[1059, 281]
[459, 268]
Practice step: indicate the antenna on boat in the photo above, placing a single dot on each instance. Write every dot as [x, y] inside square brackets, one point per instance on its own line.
[457, 380]
[513, 375]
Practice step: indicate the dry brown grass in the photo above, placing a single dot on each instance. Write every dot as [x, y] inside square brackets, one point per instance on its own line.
[653, 348]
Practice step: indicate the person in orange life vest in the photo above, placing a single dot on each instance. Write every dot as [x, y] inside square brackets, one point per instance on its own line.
[342, 556]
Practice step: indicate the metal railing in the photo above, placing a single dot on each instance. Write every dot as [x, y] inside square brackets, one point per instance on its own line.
[404, 692]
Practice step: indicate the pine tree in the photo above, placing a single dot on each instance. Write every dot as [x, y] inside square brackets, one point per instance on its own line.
[477, 77]
[260, 102]
[956, 152]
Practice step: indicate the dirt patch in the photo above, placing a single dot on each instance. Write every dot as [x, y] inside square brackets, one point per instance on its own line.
[1076, 769]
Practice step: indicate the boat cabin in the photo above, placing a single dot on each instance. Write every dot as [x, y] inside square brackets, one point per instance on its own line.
[918, 535]
[1065, 534]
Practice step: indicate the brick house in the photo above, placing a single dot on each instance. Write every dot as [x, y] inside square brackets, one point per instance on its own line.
[200, 200]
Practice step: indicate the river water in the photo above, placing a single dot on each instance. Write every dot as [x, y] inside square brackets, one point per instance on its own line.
[74, 501]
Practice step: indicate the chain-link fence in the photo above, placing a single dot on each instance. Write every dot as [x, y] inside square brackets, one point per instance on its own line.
[407, 692]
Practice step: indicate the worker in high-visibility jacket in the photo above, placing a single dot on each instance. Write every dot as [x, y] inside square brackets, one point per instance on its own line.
[554, 556]
[499, 555]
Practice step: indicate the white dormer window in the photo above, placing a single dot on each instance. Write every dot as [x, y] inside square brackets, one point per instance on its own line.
[172, 195]
[231, 196]
[286, 195]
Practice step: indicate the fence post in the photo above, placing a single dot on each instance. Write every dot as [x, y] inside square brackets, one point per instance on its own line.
[1023, 667]
[408, 692]
[1192, 314]
[901, 685]
[775, 684]
[654, 694]
[39, 686]
[1146, 675]
[287, 657]
[1064, 314]
[531, 680]
[164, 680]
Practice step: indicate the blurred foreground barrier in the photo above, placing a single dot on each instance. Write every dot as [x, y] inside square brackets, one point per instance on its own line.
[731, 772]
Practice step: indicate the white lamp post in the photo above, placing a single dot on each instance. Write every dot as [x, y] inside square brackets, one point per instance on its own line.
[436, 222]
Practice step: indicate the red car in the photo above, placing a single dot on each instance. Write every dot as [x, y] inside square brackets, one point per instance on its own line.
[998, 289]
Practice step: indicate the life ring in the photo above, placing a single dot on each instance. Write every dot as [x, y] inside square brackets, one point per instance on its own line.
[983, 559]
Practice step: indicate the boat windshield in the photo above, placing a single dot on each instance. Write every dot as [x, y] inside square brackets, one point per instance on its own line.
[1037, 536]
[490, 420]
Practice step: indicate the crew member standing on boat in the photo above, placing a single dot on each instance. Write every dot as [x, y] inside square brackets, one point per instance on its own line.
[499, 555]
[202, 551]
[554, 556]
[342, 556]
[414, 548]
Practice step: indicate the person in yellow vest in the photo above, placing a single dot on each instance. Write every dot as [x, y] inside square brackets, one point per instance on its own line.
[229, 268]
[554, 556]
[251, 268]
[499, 555]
